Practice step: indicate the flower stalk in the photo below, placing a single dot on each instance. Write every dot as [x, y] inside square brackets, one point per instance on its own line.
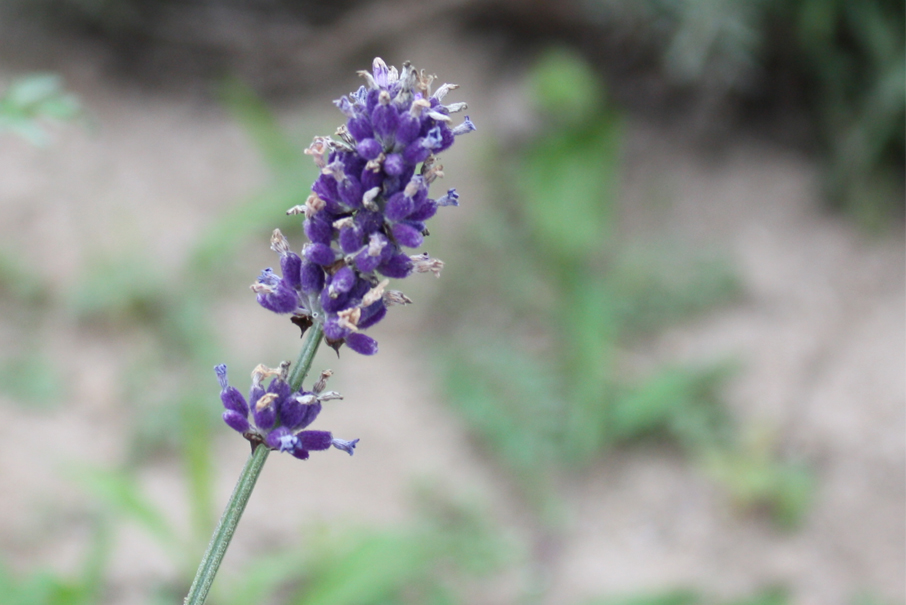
[303, 365]
[220, 541]
[226, 527]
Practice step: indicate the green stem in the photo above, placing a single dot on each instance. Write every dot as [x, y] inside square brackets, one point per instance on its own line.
[300, 369]
[217, 548]
[220, 541]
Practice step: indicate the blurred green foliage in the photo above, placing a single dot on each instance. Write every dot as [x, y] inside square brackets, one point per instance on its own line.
[31, 377]
[47, 587]
[28, 375]
[448, 548]
[434, 559]
[32, 99]
[770, 596]
[18, 283]
[845, 58]
[867, 598]
[854, 52]
[559, 295]
[749, 471]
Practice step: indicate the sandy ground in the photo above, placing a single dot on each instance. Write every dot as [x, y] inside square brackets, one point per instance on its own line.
[819, 333]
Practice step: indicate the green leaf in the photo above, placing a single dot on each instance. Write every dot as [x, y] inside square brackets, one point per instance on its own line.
[25, 128]
[566, 183]
[757, 478]
[678, 401]
[564, 85]
[31, 98]
[34, 89]
[44, 587]
[426, 561]
[588, 337]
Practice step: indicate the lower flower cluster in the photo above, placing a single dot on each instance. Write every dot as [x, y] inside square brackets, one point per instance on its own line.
[276, 416]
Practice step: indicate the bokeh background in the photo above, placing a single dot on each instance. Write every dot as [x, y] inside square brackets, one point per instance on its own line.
[664, 364]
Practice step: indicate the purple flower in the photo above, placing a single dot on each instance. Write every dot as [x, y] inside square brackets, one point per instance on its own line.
[346, 446]
[370, 202]
[279, 416]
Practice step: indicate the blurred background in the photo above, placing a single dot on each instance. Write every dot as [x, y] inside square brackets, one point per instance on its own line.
[664, 364]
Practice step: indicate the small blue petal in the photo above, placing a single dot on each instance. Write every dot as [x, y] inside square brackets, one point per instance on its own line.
[345, 105]
[346, 446]
[221, 371]
[466, 126]
[288, 443]
[450, 199]
[269, 278]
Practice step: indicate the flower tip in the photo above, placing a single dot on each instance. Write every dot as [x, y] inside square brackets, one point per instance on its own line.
[450, 199]
[466, 126]
[221, 371]
[345, 105]
[346, 446]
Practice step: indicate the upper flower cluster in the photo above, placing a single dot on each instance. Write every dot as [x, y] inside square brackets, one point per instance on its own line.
[370, 201]
[279, 415]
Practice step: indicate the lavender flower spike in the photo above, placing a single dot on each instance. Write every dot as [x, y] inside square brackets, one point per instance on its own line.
[279, 416]
[370, 202]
